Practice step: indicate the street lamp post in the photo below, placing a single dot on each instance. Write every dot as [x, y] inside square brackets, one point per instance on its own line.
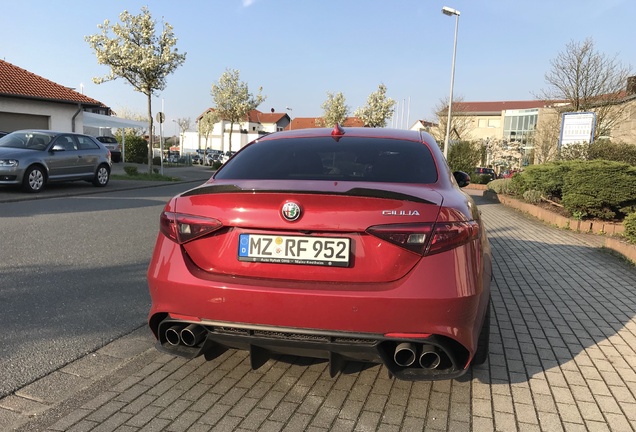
[450, 12]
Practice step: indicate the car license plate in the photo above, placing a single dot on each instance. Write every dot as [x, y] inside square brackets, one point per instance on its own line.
[306, 250]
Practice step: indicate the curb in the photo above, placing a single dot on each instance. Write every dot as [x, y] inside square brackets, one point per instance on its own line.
[605, 230]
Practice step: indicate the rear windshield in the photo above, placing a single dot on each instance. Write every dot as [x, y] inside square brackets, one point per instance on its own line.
[322, 158]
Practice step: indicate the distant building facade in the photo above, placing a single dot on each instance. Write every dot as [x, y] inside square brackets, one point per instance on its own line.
[514, 123]
[256, 124]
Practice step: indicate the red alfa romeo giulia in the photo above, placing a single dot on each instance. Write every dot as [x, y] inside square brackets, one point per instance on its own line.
[341, 244]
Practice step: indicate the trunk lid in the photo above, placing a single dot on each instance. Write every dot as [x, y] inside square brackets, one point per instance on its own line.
[257, 241]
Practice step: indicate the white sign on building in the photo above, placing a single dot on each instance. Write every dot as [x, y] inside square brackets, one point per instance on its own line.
[577, 127]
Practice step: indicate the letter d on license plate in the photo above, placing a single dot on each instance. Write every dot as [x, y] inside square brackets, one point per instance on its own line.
[306, 250]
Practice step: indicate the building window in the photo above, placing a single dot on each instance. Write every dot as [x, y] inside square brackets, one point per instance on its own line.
[520, 124]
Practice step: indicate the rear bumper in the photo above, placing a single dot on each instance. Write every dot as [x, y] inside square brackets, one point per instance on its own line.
[365, 322]
[213, 338]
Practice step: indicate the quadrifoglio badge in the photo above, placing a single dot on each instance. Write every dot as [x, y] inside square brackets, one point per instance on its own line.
[291, 211]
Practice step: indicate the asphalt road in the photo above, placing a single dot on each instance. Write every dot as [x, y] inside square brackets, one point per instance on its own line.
[73, 274]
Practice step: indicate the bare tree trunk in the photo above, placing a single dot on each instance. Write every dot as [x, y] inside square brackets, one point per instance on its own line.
[151, 138]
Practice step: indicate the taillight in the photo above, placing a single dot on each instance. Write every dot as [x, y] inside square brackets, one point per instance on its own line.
[414, 237]
[449, 235]
[427, 239]
[182, 228]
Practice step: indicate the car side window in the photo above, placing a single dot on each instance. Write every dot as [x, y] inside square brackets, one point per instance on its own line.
[67, 142]
[86, 143]
[38, 142]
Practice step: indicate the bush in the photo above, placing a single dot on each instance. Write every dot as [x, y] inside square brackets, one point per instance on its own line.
[546, 178]
[136, 149]
[131, 170]
[501, 186]
[597, 189]
[601, 189]
[618, 152]
[532, 196]
[602, 149]
[482, 179]
[463, 156]
[630, 227]
[156, 161]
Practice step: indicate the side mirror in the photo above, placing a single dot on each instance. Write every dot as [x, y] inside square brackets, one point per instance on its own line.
[461, 178]
[57, 147]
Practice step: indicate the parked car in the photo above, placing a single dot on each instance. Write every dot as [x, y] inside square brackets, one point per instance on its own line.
[226, 156]
[33, 158]
[113, 145]
[212, 156]
[196, 159]
[509, 173]
[486, 171]
[345, 244]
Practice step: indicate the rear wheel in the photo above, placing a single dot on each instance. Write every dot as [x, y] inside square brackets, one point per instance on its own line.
[481, 355]
[101, 176]
[34, 179]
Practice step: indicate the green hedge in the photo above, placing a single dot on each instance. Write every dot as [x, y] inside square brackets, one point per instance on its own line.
[482, 179]
[502, 186]
[630, 227]
[601, 189]
[614, 151]
[547, 178]
[596, 189]
[136, 149]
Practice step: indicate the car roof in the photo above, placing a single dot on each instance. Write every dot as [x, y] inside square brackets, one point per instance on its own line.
[350, 131]
[49, 132]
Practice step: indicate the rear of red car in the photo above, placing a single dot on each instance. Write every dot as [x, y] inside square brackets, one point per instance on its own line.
[351, 245]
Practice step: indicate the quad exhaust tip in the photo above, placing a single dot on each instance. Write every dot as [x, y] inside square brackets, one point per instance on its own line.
[190, 336]
[428, 356]
[173, 335]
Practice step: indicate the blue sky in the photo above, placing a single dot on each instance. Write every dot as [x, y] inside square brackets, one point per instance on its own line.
[298, 50]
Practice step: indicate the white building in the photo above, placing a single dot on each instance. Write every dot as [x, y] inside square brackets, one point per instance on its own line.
[256, 124]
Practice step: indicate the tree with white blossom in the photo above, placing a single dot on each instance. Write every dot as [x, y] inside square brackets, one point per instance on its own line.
[206, 124]
[335, 110]
[378, 110]
[233, 100]
[139, 54]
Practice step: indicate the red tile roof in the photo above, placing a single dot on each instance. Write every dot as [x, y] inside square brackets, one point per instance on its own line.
[311, 122]
[487, 107]
[18, 82]
[255, 116]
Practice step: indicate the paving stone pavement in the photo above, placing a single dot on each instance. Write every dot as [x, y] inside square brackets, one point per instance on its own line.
[562, 358]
